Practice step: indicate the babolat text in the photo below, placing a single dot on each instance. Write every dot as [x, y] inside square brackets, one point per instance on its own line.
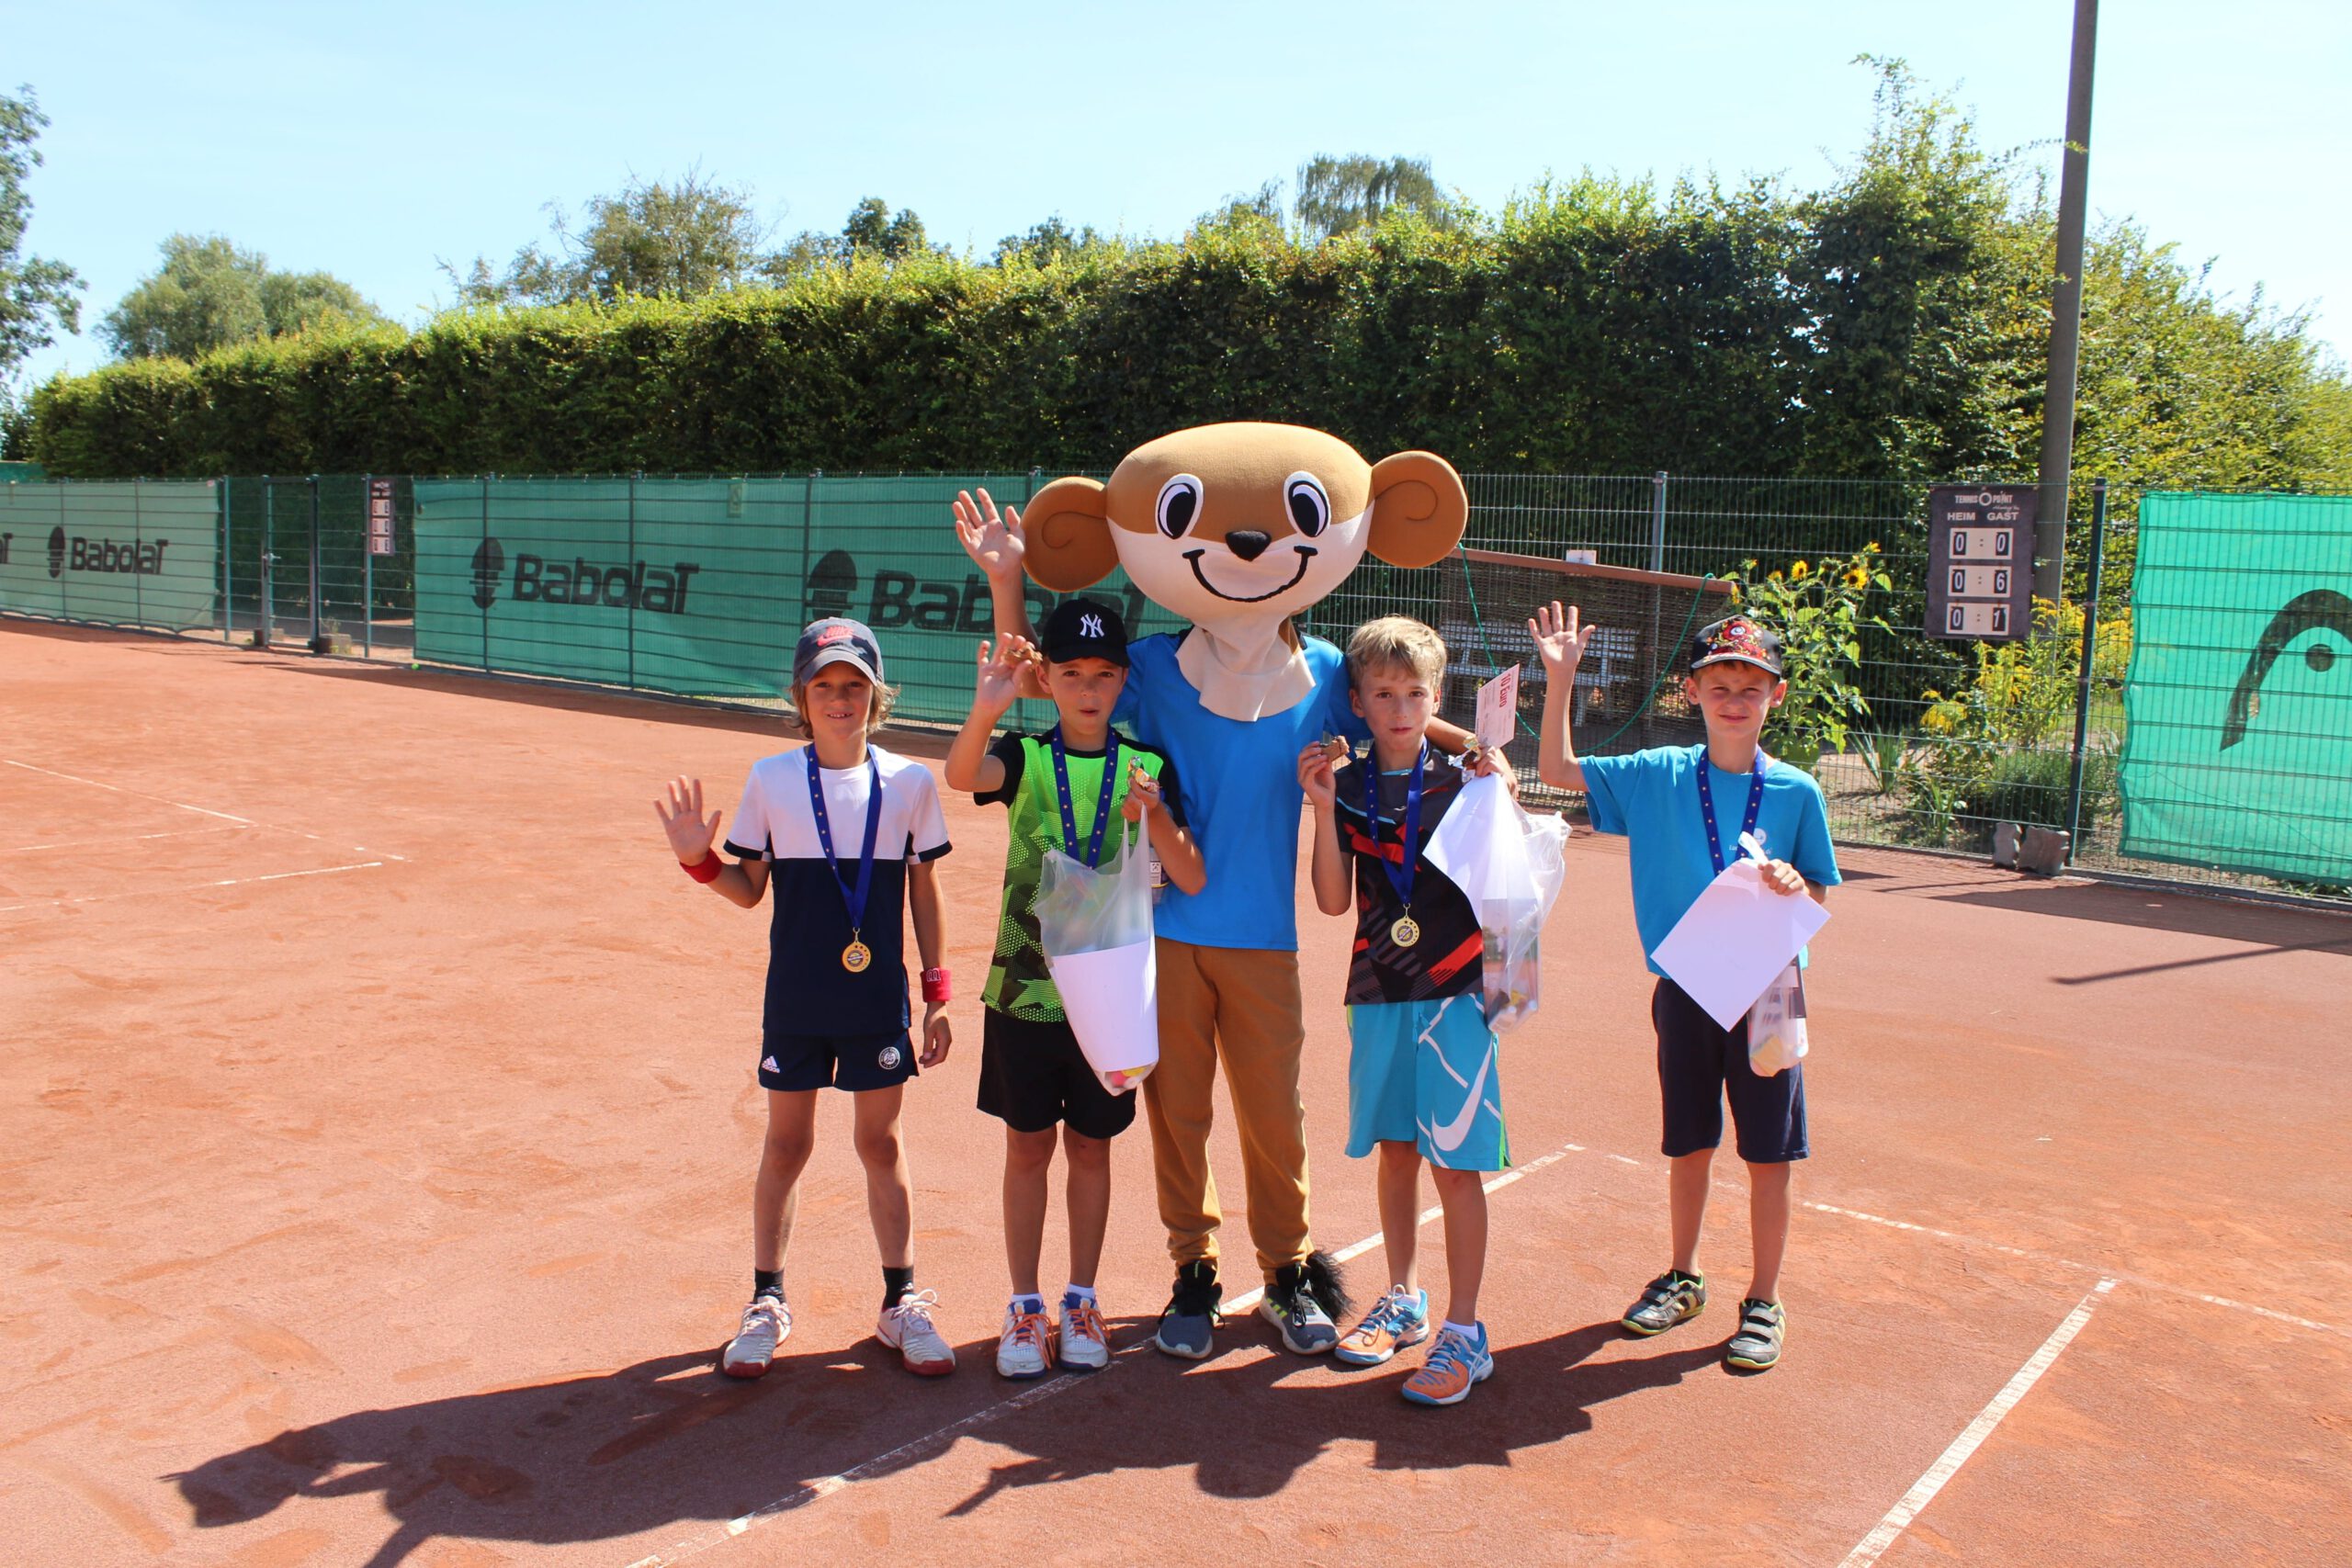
[106, 555]
[637, 586]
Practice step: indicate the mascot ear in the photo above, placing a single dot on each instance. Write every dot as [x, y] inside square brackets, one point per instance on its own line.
[1418, 508]
[1066, 527]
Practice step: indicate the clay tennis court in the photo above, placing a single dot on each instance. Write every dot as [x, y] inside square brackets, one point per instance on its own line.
[378, 1121]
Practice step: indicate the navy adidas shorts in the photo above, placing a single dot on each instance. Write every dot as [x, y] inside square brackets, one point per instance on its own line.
[854, 1062]
[1699, 1064]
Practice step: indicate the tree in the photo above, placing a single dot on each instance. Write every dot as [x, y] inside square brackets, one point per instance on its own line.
[1259, 211]
[1339, 196]
[678, 240]
[210, 292]
[1051, 240]
[872, 230]
[37, 296]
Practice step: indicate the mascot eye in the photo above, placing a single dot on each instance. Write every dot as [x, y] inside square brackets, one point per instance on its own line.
[1179, 505]
[1310, 509]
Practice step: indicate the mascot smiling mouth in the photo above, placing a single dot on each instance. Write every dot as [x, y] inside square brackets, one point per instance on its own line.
[1305, 553]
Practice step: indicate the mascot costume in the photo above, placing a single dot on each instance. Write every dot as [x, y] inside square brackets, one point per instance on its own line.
[1236, 528]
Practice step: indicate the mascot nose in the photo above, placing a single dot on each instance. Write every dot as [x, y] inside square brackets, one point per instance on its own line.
[1248, 542]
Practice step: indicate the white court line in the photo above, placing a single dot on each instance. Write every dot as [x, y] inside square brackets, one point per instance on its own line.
[127, 838]
[184, 806]
[1923, 1491]
[2121, 1275]
[817, 1491]
[192, 887]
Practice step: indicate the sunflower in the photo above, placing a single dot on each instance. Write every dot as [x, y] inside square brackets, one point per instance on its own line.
[1773, 577]
[1870, 549]
[1798, 572]
[1857, 578]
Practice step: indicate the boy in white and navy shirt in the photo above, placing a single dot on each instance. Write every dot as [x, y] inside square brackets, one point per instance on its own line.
[848, 832]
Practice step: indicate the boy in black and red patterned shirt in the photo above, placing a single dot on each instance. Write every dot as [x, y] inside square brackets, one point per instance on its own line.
[1422, 1084]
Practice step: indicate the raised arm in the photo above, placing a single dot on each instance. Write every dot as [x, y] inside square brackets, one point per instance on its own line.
[692, 836]
[970, 768]
[1329, 871]
[1560, 641]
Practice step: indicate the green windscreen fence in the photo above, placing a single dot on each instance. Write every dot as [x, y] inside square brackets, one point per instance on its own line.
[2239, 750]
[127, 553]
[700, 586]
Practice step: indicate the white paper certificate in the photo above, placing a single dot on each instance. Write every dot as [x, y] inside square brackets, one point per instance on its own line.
[1499, 708]
[1735, 940]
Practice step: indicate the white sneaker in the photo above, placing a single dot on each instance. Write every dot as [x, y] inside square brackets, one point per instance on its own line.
[1023, 1350]
[1085, 1343]
[767, 1323]
[907, 1329]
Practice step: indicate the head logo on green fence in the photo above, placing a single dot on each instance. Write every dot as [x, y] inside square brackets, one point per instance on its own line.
[2321, 609]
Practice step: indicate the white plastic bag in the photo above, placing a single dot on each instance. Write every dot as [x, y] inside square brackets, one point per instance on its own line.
[1095, 926]
[1776, 1029]
[1509, 866]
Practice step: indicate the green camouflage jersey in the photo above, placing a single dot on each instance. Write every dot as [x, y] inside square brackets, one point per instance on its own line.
[1018, 983]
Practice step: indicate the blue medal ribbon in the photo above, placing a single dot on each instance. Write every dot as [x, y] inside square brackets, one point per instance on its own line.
[1070, 809]
[1400, 876]
[1707, 803]
[856, 898]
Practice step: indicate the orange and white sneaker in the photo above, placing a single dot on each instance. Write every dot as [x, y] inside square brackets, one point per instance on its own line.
[767, 1323]
[1025, 1348]
[907, 1328]
[1085, 1343]
[1456, 1363]
[1398, 1321]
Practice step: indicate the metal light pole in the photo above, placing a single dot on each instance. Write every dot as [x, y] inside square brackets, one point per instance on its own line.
[2065, 312]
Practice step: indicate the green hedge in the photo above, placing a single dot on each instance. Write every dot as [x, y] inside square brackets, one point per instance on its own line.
[1891, 326]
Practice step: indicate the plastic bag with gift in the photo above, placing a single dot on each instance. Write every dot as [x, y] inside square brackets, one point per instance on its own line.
[1095, 927]
[1776, 1031]
[1509, 866]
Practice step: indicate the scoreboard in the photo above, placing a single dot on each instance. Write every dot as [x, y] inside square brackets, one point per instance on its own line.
[1980, 561]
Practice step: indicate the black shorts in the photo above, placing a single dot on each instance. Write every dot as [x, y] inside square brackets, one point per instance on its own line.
[854, 1062]
[1033, 1074]
[1700, 1063]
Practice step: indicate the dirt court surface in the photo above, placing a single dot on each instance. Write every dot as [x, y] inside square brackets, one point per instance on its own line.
[378, 1122]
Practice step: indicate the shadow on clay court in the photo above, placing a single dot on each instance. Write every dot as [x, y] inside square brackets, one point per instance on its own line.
[2268, 928]
[1246, 1433]
[667, 1442]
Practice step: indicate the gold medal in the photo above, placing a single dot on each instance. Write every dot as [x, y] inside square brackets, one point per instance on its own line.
[856, 957]
[1405, 931]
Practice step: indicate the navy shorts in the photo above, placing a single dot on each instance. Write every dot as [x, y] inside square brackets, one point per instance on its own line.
[854, 1062]
[1033, 1075]
[1699, 1064]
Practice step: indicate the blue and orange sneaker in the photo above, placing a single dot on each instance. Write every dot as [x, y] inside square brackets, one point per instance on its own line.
[1398, 1320]
[1456, 1362]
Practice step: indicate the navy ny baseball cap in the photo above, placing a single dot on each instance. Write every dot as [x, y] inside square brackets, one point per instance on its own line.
[1084, 628]
[836, 639]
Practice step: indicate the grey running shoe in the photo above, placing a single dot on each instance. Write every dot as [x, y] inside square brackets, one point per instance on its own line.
[1290, 1306]
[1757, 1347]
[1673, 1297]
[1191, 1315]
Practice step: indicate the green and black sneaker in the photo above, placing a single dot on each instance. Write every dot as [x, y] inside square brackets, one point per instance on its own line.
[1757, 1347]
[1673, 1297]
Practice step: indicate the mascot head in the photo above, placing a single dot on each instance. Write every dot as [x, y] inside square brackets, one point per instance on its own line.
[1238, 527]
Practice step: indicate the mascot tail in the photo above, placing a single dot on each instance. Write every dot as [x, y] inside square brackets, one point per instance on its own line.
[1328, 1285]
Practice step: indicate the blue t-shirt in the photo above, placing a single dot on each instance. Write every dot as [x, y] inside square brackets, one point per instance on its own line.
[1652, 797]
[1241, 793]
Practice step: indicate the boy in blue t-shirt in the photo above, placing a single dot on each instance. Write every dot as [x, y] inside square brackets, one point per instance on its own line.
[1685, 809]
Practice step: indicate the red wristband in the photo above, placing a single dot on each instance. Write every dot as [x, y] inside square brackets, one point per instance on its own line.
[934, 986]
[706, 868]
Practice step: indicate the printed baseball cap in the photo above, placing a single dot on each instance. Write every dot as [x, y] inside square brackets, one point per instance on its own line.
[836, 639]
[1736, 639]
[1084, 628]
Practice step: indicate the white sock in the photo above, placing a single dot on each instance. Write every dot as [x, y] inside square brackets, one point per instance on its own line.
[1084, 1294]
[1467, 1330]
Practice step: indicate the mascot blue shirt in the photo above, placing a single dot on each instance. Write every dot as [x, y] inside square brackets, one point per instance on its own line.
[1244, 811]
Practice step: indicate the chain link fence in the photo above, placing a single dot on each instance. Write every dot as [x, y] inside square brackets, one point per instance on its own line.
[697, 587]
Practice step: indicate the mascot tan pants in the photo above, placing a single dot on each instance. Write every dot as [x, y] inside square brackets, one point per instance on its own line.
[1238, 1007]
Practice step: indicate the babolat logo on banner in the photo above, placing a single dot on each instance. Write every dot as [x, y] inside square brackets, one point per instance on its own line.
[633, 585]
[142, 558]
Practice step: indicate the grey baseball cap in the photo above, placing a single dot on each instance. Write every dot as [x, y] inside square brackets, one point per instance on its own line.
[837, 639]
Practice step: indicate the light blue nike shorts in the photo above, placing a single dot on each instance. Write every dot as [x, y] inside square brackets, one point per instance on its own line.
[1427, 1073]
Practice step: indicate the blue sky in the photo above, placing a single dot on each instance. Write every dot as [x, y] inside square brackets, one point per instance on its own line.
[372, 141]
